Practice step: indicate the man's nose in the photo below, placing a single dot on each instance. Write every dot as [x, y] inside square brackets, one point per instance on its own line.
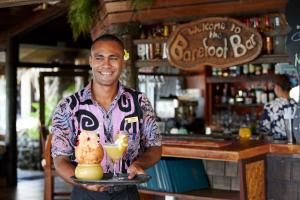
[106, 62]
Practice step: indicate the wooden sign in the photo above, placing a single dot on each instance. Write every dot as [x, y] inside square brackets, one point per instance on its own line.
[219, 42]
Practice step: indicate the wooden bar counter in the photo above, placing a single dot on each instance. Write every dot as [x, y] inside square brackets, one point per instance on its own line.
[249, 154]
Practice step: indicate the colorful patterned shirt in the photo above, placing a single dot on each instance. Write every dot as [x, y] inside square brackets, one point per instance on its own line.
[273, 117]
[81, 112]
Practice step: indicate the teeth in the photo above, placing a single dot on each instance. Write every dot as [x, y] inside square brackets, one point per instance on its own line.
[106, 73]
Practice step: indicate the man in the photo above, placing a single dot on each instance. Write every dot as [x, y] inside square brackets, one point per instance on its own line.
[272, 121]
[104, 106]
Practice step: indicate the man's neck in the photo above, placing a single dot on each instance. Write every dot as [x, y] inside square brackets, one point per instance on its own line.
[104, 95]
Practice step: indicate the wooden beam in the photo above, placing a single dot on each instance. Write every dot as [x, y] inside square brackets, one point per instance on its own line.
[196, 11]
[11, 110]
[123, 11]
[33, 22]
[13, 3]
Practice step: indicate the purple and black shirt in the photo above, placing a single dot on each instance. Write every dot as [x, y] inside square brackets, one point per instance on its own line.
[80, 112]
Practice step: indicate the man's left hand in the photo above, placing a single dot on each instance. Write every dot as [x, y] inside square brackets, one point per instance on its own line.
[133, 170]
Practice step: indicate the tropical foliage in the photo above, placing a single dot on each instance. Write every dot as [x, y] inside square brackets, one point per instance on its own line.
[83, 13]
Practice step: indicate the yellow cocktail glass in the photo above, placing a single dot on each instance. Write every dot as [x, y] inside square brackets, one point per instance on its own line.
[116, 150]
[244, 133]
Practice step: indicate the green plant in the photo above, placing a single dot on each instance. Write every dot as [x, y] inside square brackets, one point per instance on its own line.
[82, 14]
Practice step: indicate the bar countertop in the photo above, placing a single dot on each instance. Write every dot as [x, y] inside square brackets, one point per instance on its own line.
[226, 150]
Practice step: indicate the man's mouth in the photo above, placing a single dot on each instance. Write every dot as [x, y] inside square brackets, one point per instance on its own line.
[106, 73]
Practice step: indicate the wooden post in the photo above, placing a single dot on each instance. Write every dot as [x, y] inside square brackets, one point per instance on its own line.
[132, 78]
[12, 60]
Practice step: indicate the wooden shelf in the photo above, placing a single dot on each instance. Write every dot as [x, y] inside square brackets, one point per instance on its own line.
[204, 194]
[239, 105]
[152, 62]
[242, 78]
[271, 58]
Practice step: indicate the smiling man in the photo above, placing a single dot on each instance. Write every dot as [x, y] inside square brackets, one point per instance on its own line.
[105, 106]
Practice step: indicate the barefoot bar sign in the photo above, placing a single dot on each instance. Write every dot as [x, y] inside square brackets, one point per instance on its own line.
[218, 42]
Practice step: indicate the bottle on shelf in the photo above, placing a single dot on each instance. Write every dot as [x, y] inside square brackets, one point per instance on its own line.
[141, 48]
[268, 45]
[166, 32]
[258, 69]
[224, 98]
[231, 95]
[218, 94]
[267, 27]
[157, 45]
[253, 94]
[239, 98]
[150, 47]
[246, 69]
[251, 68]
[266, 67]
[248, 98]
[271, 93]
[279, 37]
[264, 95]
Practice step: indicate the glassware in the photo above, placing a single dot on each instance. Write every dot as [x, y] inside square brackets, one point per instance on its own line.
[244, 133]
[116, 150]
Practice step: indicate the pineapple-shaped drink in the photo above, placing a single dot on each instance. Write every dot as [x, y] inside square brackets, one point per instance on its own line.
[89, 154]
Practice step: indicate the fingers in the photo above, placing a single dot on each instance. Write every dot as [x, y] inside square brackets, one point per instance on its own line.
[96, 188]
[133, 170]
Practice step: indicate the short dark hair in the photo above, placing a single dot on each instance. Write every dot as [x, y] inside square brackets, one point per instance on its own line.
[108, 37]
[284, 82]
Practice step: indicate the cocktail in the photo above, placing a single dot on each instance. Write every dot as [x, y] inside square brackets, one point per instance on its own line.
[116, 150]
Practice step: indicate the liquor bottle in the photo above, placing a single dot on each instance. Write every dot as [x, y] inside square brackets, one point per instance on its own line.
[251, 69]
[271, 93]
[268, 45]
[231, 96]
[150, 46]
[225, 92]
[157, 47]
[225, 72]
[264, 95]
[279, 38]
[267, 27]
[266, 68]
[214, 71]
[164, 45]
[258, 92]
[245, 69]
[141, 48]
[253, 94]
[248, 97]
[239, 97]
[218, 94]
[256, 24]
[258, 69]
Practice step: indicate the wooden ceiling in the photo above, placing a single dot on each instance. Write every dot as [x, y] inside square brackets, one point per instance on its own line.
[114, 12]
[37, 22]
[44, 22]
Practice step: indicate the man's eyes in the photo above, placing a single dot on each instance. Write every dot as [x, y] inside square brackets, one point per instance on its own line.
[99, 58]
[112, 58]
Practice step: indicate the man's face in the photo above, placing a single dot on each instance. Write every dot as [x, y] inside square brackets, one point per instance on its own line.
[107, 62]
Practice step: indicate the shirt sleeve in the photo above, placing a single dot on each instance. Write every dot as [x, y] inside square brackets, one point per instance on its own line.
[61, 130]
[150, 132]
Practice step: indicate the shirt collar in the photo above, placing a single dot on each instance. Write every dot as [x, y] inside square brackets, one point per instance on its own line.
[87, 93]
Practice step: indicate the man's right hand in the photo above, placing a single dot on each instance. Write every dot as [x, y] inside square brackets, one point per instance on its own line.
[96, 188]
